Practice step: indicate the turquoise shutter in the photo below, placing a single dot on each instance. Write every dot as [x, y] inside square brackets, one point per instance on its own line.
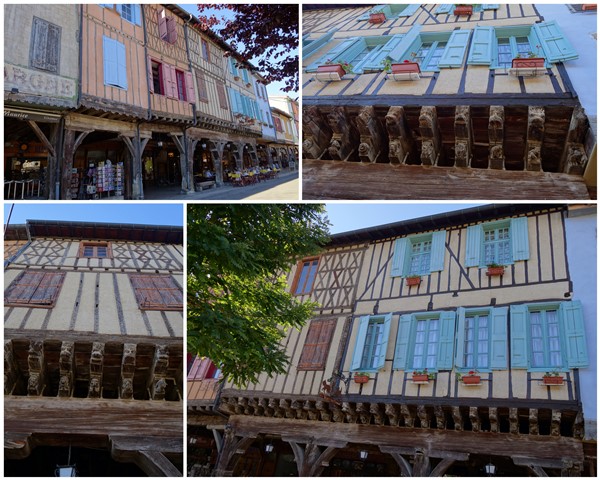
[572, 317]
[490, 6]
[313, 46]
[403, 47]
[232, 100]
[519, 238]
[398, 260]
[438, 250]
[518, 336]
[481, 46]
[370, 62]
[373, 60]
[402, 341]
[410, 10]
[341, 52]
[499, 337]
[245, 75]
[121, 65]
[444, 8]
[446, 346]
[454, 52]
[555, 44]
[359, 345]
[460, 338]
[232, 67]
[474, 234]
[380, 359]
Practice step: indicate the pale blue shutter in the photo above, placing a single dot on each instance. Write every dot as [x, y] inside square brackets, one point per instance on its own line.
[402, 341]
[438, 251]
[338, 52]
[137, 14]
[410, 10]
[499, 337]
[313, 46]
[359, 345]
[459, 360]
[445, 8]
[121, 65]
[454, 53]
[232, 100]
[555, 44]
[519, 238]
[379, 360]
[370, 62]
[446, 346]
[232, 67]
[481, 46]
[571, 314]
[398, 260]
[111, 66]
[373, 62]
[403, 47]
[490, 6]
[474, 238]
[245, 75]
[518, 336]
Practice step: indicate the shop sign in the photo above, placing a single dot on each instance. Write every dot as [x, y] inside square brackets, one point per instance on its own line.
[30, 115]
[37, 83]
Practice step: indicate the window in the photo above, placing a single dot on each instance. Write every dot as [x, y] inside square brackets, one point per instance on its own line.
[497, 46]
[167, 27]
[245, 75]
[304, 279]
[222, 96]
[203, 368]
[425, 340]
[156, 292]
[180, 85]
[503, 242]
[392, 11]
[482, 341]
[128, 11]
[278, 124]
[316, 346]
[419, 254]
[233, 68]
[371, 343]
[548, 336]
[205, 50]
[44, 51]
[157, 78]
[95, 250]
[169, 81]
[115, 63]
[202, 90]
[34, 289]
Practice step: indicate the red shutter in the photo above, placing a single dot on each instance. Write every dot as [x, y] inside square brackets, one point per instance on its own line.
[202, 91]
[35, 288]
[169, 81]
[222, 96]
[189, 87]
[316, 346]
[162, 25]
[171, 30]
[150, 76]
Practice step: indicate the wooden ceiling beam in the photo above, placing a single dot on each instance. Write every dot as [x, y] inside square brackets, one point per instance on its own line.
[127, 370]
[11, 369]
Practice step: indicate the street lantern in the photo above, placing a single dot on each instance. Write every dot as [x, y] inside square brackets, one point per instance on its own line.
[269, 448]
[364, 454]
[490, 469]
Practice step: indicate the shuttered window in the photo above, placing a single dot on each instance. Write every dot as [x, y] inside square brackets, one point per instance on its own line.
[115, 63]
[316, 346]
[503, 242]
[419, 254]
[167, 27]
[205, 50]
[156, 292]
[371, 343]
[130, 12]
[304, 280]
[222, 96]
[34, 289]
[202, 90]
[45, 46]
[95, 250]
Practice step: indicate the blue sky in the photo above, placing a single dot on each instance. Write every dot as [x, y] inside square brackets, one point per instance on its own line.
[353, 216]
[145, 214]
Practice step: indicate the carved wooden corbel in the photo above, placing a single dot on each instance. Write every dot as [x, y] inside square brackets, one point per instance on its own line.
[65, 384]
[371, 135]
[344, 141]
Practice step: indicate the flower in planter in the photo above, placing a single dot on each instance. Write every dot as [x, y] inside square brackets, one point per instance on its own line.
[418, 373]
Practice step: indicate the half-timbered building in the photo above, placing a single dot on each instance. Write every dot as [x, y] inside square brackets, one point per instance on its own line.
[441, 101]
[443, 345]
[93, 348]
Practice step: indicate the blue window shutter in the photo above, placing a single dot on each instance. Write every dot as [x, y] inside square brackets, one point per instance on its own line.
[518, 336]
[111, 68]
[380, 359]
[445, 8]
[519, 238]
[337, 52]
[313, 46]
[359, 346]
[490, 6]
[473, 254]
[460, 338]
[454, 52]
[410, 10]
[438, 251]
[445, 358]
[555, 44]
[121, 65]
[402, 48]
[402, 341]
[232, 100]
[374, 59]
[574, 327]
[398, 260]
[245, 75]
[137, 14]
[499, 338]
[481, 46]
[370, 62]
[232, 68]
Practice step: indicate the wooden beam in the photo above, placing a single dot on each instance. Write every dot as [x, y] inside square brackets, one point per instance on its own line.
[474, 418]
[310, 460]
[535, 137]
[440, 417]
[96, 370]
[127, 370]
[372, 140]
[350, 411]
[155, 464]
[423, 416]
[396, 453]
[408, 414]
[430, 136]
[391, 410]
[463, 135]
[421, 464]
[156, 380]
[17, 445]
[513, 418]
[65, 385]
[316, 133]
[459, 423]
[35, 362]
[533, 422]
[442, 467]
[401, 143]
[364, 413]
[345, 139]
[42, 138]
[555, 427]
[493, 414]
[232, 445]
[378, 414]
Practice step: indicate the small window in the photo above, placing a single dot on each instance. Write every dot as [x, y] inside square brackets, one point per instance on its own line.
[503, 242]
[371, 343]
[205, 50]
[545, 344]
[167, 27]
[419, 254]
[45, 46]
[180, 78]
[34, 289]
[496, 245]
[157, 78]
[305, 276]
[157, 292]
[95, 250]
[316, 347]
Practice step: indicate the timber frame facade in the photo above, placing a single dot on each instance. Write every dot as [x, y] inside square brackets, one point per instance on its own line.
[484, 341]
[433, 108]
[93, 341]
[141, 97]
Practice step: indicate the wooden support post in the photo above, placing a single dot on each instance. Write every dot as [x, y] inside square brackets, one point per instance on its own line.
[421, 464]
[401, 144]
[458, 419]
[474, 418]
[136, 148]
[231, 446]
[535, 137]
[513, 418]
[316, 133]
[344, 140]
[430, 136]
[578, 425]
[533, 422]
[157, 383]
[371, 135]
[574, 158]
[493, 414]
[463, 147]
[396, 453]
[127, 370]
[72, 142]
[96, 368]
[11, 369]
[496, 137]
[186, 161]
[310, 460]
[35, 362]
[65, 384]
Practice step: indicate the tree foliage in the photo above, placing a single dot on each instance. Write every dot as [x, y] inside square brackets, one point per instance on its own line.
[266, 33]
[238, 307]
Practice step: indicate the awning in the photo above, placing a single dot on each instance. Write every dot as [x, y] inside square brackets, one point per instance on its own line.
[35, 115]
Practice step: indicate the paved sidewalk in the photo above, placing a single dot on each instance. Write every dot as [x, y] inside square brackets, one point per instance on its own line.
[286, 187]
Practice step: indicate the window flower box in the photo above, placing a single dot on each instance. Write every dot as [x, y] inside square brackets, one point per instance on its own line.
[495, 270]
[589, 6]
[421, 376]
[331, 72]
[361, 377]
[553, 378]
[533, 62]
[463, 10]
[376, 18]
[405, 71]
[412, 281]
[471, 379]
